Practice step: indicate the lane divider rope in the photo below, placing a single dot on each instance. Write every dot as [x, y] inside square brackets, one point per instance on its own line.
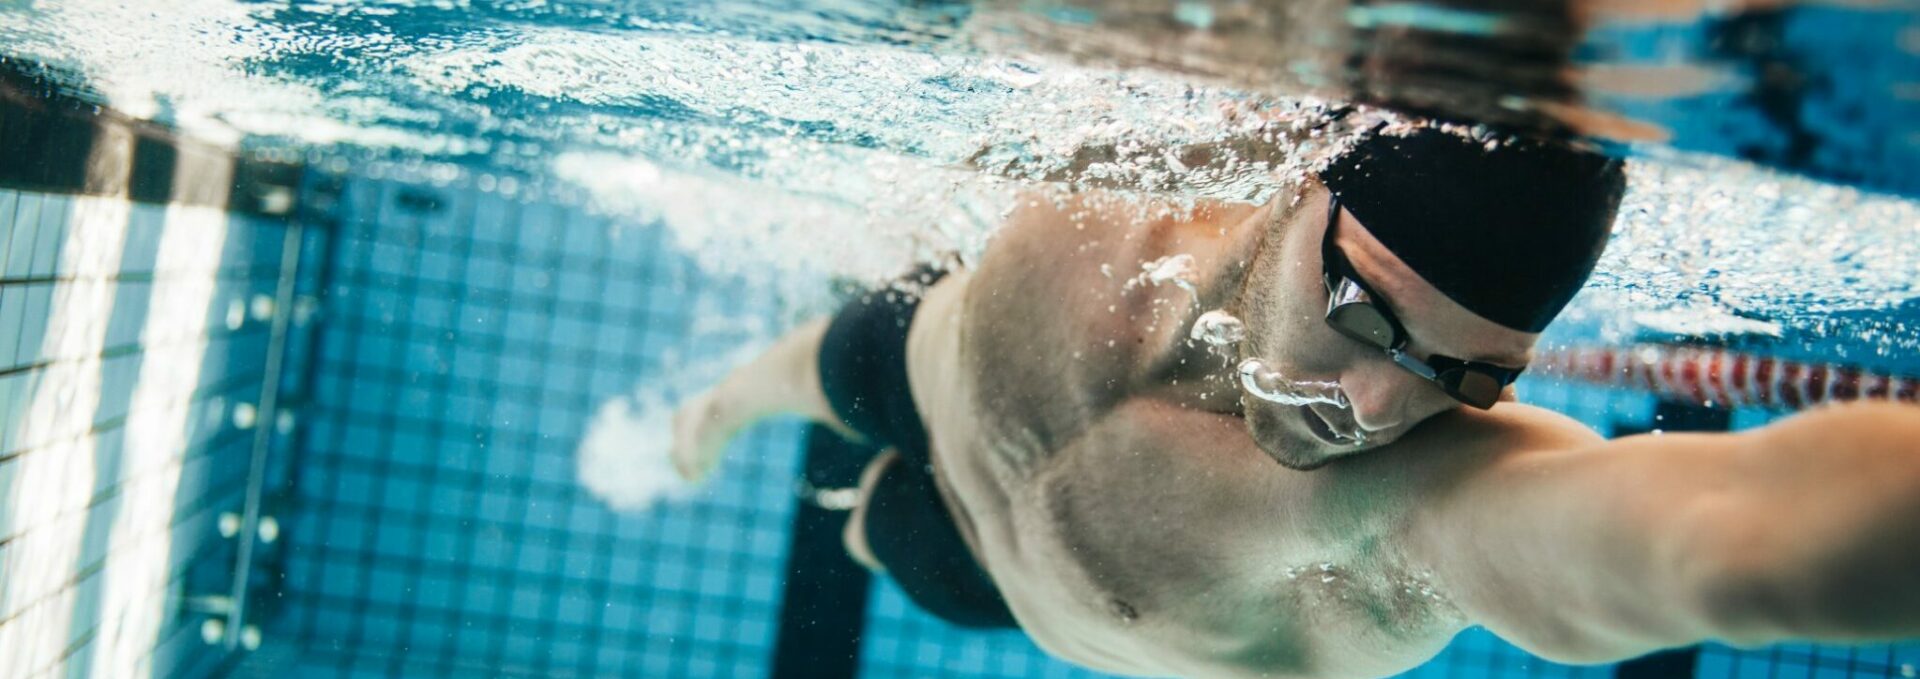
[1723, 378]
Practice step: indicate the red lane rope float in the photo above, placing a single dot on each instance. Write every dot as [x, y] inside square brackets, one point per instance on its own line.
[1721, 378]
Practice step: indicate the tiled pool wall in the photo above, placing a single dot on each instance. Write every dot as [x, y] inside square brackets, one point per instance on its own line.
[467, 338]
[133, 341]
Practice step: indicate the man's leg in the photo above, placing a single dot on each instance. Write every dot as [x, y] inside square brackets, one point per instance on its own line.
[783, 381]
[847, 373]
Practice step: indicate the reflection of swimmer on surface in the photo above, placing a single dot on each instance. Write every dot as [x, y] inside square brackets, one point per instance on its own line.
[1069, 455]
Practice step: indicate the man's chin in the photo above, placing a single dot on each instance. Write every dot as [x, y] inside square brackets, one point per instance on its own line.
[1286, 441]
[1299, 463]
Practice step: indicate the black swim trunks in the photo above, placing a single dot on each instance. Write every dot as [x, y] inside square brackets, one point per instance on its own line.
[863, 369]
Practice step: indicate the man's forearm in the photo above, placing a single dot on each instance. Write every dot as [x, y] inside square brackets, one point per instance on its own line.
[1801, 530]
[1826, 545]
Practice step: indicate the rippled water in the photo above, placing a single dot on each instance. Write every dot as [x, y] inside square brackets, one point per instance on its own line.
[768, 134]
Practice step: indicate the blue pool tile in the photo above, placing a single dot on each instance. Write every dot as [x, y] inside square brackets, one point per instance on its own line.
[52, 237]
[36, 301]
[8, 200]
[25, 229]
[13, 310]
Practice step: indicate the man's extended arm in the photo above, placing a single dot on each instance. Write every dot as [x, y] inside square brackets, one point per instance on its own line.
[1801, 530]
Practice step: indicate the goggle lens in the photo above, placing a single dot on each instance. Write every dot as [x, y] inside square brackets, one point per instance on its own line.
[1363, 322]
[1471, 387]
[1351, 311]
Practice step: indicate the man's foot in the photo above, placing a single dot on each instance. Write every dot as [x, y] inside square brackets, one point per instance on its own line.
[699, 436]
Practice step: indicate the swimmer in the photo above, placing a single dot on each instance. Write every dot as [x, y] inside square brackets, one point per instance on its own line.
[1335, 481]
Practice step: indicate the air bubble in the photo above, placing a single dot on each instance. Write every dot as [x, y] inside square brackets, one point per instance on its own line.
[1180, 270]
[1219, 329]
[1269, 385]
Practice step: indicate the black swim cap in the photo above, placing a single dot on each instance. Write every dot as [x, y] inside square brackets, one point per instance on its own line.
[1510, 233]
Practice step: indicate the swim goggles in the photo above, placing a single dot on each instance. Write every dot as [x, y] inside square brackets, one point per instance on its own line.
[1352, 311]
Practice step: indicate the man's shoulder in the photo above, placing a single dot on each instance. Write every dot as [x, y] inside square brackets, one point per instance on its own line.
[1508, 427]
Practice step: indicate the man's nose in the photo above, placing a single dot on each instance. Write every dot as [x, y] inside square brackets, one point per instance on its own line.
[1383, 396]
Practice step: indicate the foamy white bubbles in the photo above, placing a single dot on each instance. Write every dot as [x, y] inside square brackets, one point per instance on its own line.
[1218, 329]
[1269, 384]
[1717, 237]
[625, 458]
[799, 238]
